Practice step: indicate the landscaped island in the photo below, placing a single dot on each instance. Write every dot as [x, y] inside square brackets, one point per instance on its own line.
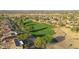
[30, 34]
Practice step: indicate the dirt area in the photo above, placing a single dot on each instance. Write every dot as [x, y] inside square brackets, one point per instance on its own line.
[71, 39]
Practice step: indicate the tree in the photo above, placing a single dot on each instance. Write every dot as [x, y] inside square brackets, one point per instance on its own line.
[23, 36]
[75, 28]
[29, 44]
[40, 43]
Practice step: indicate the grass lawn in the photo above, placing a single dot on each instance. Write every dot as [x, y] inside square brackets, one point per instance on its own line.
[39, 29]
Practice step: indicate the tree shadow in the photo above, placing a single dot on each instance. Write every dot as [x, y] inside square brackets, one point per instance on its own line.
[57, 39]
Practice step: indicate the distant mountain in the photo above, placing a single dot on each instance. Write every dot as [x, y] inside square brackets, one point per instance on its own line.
[38, 11]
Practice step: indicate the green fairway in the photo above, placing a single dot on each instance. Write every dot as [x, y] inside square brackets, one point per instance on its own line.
[39, 29]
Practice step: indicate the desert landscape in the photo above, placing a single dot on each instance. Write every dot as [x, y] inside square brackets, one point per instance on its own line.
[39, 29]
